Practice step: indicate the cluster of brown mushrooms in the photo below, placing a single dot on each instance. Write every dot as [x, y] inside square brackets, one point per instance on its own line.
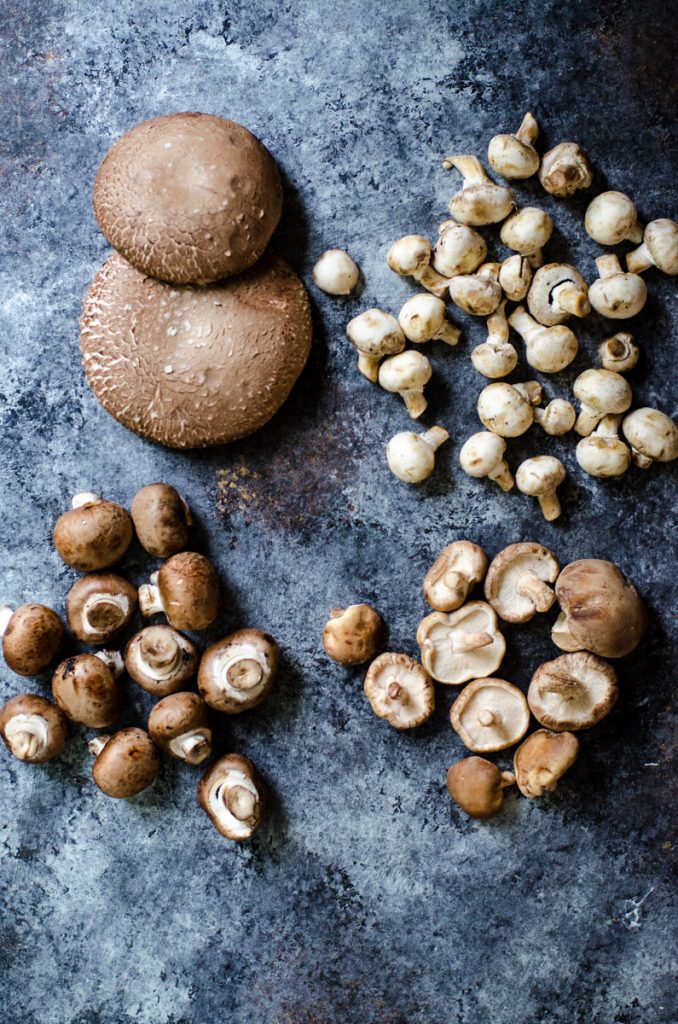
[233, 675]
[546, 296]
[600, 615]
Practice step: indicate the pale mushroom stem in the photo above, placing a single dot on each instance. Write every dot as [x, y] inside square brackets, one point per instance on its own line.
[469, 167]
[241, 802]
[507, 779]
[497, 326]
[530, 390]
[488, 718]
[609, 425]
[463, 642]
[97, 744]
[113, 660]
[549, 504]
[458, 584]
[571, 299]
[608, 265]
[84, 498]
[150, 602]
[640, 460]
[639, 260]
[395, 691]
[415, 403]
[6, 614]
[562, 636]
[435, 283]
[435, 437]
[502, 475]
[539, 592]
[587, 420]
[26, 744]
[529, 130]
[195, 748]
[448, 333]
[244, 674]
[369, 366]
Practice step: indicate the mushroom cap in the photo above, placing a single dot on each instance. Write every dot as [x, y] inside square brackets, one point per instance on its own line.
[564, 169]
[552, 349]
[512, 158]
[189, 590]
[575, 691]
[33, 715]
[540, 298]
[602, 611]
[233, 780]
[610, 218]
[476, 295]
[336, 273]
[661, 238]
[652, 433]
[539, 475]
[161, 520]
[86, 690]
[602, 456]
[481, 452]
[161, 660]
[409, 457]
[399, 690]
[188, 198]
[406, 371]
[603, 390]
[618, 296]
[375, 333]
[542, 760]
[482, 203]
[238, 672]
[557, 418]
[527, 230]
[504, 411]
[517, 562]
[619, 353]
[477, 786]
[194, 367]
[32, 639]
[128, 764]
[182, 716]
[100, 606]
[459, 249]
[352, 635]
[442, 589]
[421, 316]
[439, 634]
[489, 715]
[409, 254]
[93, 536]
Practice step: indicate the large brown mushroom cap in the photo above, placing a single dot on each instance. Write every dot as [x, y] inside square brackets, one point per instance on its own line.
[478, 786]
[127, 763]
[161, 519]
[572, 692]
[180, 726]
[100, 606]
[161, 660]
[233, 796]
[189, 591]
[32, 728]
[602, 611]
[86, 690]
[32, 639]
[238, 672]
[542, 760]
[94, 535]
[194, 367]
[517, 581]
[352, 635]
[188, 198]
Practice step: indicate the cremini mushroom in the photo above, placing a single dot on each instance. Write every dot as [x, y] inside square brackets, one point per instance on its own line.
[93, 534]
[32, 728]
[526, 232]
[336, 273]
[480, 200]
[85, 688]
[456, 570]
[490, 714]
[31, 637]
[619, 353]
[547, 349]
[558, 292]
[480, 293]
[496, 357]
[125, 763]
[374, 334]
[185, 589]
[565, 169]
[161, 519]
[406, 375]
[558, 417]
[659, 248]
[411, 257]
[653, 437]
[477, 786]
[515, 277]
[612, 218]
[600, 393]
[411, 457]
[233, 796]
[539, 477]
[99, 607]
[508, 409]
[238, 672]
[514, 156]
[422, 318]
[575, 691]
[353, 635]
[601, 610]
[482, 455]
[517, 581]
[399, 690]
[180, 725]
[459, 249]
[542, 760]
[616, 294]
[161, 660]
[461, 645]
[603, 453]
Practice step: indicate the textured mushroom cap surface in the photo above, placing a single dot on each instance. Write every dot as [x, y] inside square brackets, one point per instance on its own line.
[439, 634]
[399, 690]
[226, 774]
[161, 520]
[515, 563]
[476, 785]
[189, 590]
[194, 367]
[602, 611]
[176, 715]
[247, 652]
[32, 639]
[353, 634]
[176, 659]
[490, 714]
[504, 410]
[41, 718]
[99, 607]
[128, 764]
[572, 692]
[652, 433]
[93, 536]
[542, 759]
[86, 690]
[188, 198]
[458, 567]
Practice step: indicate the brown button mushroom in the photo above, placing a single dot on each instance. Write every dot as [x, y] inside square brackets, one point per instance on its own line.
[461, 645]
[86, 690]
[93, 534]
[399, 690]
[478, 786]
[233, 797]
[542, 760]
[575, 691]
[353, 635]
[180, 725]
[32, 728]
[454, 573]
[161, 660]
[193, 367]
[188, 197]
[126, 763]
[517, 582]
[31, 637]
[99, 607]
[238, 672]
[161, 519]
[601, 610]
[185, 589]
[490, 715]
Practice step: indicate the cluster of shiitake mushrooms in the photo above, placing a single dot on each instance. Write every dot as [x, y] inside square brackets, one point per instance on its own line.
[233, 675]
[547, 295]
[601, 615]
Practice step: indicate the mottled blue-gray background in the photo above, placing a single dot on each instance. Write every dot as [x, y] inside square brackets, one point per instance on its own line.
[367, 898]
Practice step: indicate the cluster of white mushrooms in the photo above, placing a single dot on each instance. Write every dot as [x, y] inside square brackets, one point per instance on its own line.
[600, 615]
[233, 675]
[547, 295]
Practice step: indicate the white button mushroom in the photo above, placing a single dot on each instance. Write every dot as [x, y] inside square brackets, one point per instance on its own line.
[411, 256]
[517, 581]
[455, 571]
[615, 294]
[480, 200]
[459, 249]
[548, 349]
[496, 357]
[653, 437]
[336, 273]
[564, 169]
[539, 477]
[411, 457]
[603, 453]
[558, 292]
[514, 156]
[659, 248]
[479, 293]
[507, 409]
[374, 334]
[526, 232]
[612, 218]
[489, 715]
[600, 392]
[406, 375]
[619, 353]
[558, 417]
[461, 645]
[399, 690]
[515, 277]
[483, 455]
[422, 318]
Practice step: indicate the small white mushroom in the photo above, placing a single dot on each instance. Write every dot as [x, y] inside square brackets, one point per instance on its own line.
[411, 256]
[459, 249]
[496, 357]
[616, 294]
[507, 409]
[527, 231]
[406, 375]
[514, 156]
[422, 318]
[658, 249]
[411, 457]
[515, 277]
[547, 349]
[653, 437]
[557, 418]
[603, 453]
[483, 456]
[480, 200]
[539, 477]
[558, 292]
[374, 334]
[479, 293]
[612, 218]
[336, 273]
[600, 392]
[564, 169]
[619, 353]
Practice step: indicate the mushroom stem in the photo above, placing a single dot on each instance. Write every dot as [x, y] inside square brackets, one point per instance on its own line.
[562, 636]
[113, 660]
[369, 366]
[6, 614]
[395, 691]
[159, 654]
[435, 437]
[448, 333]
[528, 131]
[194, 748]
[502, 475]
[462, 642]
[27, 735]
[587, 420]
[487, 718]
[435, 283]
[150, 602]
[25, 744]
[639, 260]
[571, 299]
[241, 802]
[469, 167]
[565, 686]
[415, 403]
[458, 584]
[608, 265]
[539, 592]
[244, 673]
[507, 779]
[550, 505]
[640, 460]
[84, 498]
[97, 744]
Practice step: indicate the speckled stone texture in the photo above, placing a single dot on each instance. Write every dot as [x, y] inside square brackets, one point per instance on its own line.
[367, 898]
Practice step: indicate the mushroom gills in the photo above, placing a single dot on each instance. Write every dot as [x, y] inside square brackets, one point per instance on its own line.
[104, 613]
[234, 800]
[26, 735]
[160, 654]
